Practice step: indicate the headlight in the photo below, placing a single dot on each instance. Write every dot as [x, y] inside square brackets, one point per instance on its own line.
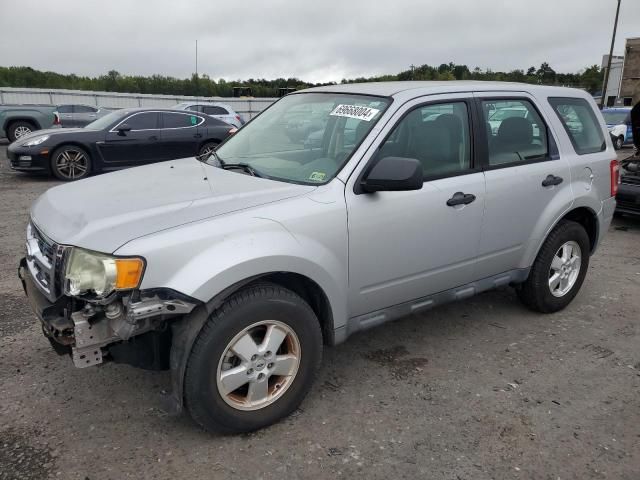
[99, 274]
[36, 141]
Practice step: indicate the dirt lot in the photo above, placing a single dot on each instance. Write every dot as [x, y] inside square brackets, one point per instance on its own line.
[475, 390]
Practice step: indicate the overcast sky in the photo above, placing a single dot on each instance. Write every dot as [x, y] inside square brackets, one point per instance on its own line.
[317, 41]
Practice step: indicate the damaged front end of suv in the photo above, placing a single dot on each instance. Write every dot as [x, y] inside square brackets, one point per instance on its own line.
[628, 196]
[90, 306]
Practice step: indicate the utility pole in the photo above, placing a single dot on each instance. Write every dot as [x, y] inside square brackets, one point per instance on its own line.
[606, 74]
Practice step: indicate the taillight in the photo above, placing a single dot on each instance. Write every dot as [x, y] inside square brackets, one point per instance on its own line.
[238, 118]
[56, 118]
[614, 170]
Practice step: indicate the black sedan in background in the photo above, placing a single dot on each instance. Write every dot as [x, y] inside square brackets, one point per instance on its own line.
[124, 138]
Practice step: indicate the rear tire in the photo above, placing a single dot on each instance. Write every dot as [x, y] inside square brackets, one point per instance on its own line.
[18, 130]
[69, 163]
[545, 292]
[234, 382]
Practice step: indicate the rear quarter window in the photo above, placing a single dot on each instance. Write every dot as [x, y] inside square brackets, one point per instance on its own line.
[581, 124]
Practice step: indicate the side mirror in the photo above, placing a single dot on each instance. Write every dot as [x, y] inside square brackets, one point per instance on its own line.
[392, 174]
[123, 128]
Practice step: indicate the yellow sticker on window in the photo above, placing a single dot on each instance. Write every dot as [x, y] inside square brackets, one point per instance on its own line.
[317, 176]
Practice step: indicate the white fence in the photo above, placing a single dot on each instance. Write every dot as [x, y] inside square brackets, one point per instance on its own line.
[247, 107]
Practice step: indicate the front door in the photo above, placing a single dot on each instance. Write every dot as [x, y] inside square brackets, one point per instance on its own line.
[137, 146]
[406, 245]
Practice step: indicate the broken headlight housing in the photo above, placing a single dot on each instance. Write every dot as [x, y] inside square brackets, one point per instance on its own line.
[97, 274]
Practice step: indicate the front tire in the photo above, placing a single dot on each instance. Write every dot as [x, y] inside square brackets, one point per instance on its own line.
[254, 360]
[70, 163]
[559, 269]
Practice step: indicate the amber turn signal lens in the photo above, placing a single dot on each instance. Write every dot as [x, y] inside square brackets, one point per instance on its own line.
[129, 272]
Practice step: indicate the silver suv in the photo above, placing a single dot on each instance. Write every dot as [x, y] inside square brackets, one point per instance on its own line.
[233, 271]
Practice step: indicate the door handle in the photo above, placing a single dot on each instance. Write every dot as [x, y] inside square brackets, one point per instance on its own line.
[460, 198]
[153, 137]
[551, 180]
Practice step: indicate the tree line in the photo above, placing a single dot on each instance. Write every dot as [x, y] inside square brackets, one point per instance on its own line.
[589, 78]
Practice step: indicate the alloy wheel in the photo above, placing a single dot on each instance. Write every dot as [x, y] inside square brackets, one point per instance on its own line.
[565, 268]
[71, 164]
[21, 131]
[258, 365]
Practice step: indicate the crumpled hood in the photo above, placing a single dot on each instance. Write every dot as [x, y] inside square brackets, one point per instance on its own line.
[106, 211]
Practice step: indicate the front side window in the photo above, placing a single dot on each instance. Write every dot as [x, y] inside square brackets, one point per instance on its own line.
[580, 123]
[180, 120]
[65, 109]
[436, 135]
[515, 132]
[143, 121]
[305, 138]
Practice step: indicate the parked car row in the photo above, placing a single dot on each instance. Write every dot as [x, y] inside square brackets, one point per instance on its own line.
[19, 120]
[123, 138]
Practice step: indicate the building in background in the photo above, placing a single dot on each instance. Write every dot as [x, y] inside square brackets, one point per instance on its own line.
[630, 83]
[615, 77]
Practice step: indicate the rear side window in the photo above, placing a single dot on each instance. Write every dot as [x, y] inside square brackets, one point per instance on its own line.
[84, 109]
[581, 124]
[214, 110]
[515, 132]
[65, 108]
[180, 120]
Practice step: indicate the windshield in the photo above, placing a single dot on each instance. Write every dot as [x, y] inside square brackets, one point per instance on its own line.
[104, 122]
[304, 138]
[613, 117]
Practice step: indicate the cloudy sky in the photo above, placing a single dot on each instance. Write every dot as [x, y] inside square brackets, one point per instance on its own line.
[314, 40]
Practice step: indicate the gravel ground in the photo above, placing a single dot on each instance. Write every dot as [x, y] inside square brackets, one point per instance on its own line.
[480, 389]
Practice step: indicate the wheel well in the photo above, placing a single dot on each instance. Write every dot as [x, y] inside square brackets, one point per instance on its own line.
[311, 293]
[21, 120]
[209, 140]
[587, 218]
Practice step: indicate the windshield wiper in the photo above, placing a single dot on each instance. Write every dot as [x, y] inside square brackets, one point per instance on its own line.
[243, 166]
[230, 166]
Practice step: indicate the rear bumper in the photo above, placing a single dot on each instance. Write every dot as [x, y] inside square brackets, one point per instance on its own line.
[27, 159]
[628, 199]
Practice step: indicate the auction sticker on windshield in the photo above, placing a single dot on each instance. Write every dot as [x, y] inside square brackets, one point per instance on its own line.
[354, 111]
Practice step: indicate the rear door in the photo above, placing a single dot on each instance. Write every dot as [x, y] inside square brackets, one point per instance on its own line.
[181, 134]
[137, 146]
[66, 116]
[528, 182]
[83, 115]
[220, 113]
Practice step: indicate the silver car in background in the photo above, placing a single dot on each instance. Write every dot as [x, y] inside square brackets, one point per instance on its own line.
[218, 110]
[234, 270]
